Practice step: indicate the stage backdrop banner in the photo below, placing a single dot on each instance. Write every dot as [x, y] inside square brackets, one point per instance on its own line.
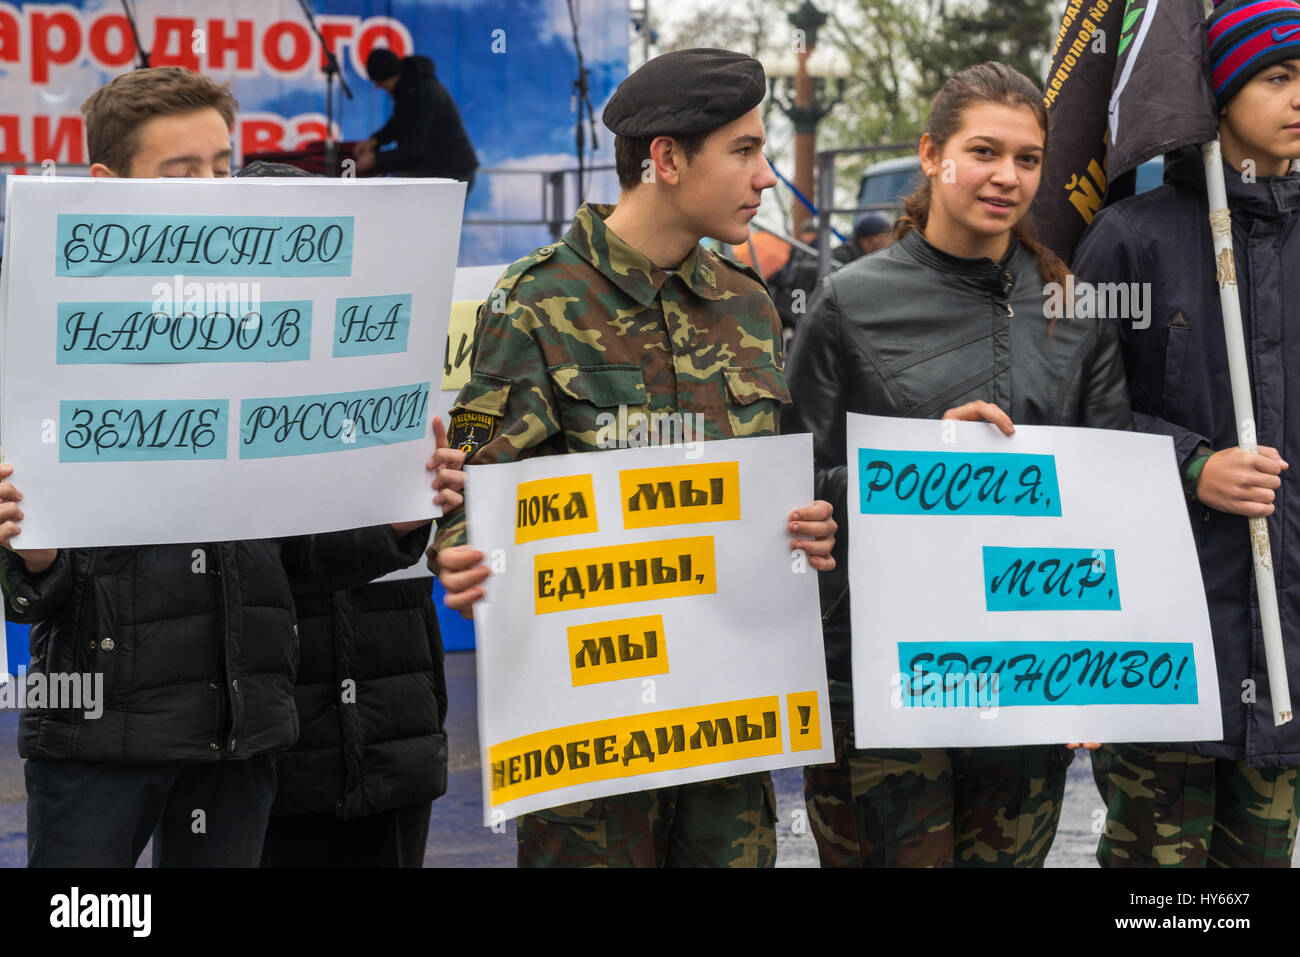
[646, 623]
[508, 65]
[1037, 589]
[199, 360]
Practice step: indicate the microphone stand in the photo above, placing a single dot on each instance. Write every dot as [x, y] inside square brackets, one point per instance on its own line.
[135, 36]
[331, 71]
[582, 99]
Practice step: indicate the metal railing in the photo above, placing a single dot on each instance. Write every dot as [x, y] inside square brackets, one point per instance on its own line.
[826, 194]
[556, 214]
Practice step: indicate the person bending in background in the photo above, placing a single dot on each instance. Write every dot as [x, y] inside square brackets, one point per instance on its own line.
[425, 126]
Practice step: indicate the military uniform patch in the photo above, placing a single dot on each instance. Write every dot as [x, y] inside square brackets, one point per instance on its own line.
[470, 431]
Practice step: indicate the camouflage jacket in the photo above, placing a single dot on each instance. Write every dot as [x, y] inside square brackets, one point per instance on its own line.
[582, 340]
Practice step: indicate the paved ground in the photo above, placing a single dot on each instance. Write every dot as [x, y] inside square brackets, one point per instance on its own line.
[458, 839]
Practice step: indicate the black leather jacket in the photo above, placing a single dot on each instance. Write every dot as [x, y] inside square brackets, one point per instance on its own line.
[912, 331]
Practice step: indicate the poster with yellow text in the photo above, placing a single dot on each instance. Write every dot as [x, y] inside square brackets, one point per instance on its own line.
[646, 622]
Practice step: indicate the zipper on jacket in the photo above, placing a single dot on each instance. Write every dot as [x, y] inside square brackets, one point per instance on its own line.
[86, 596]
[228, 741]
[836, 603]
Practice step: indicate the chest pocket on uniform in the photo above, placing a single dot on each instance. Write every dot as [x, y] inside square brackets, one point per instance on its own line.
[591, 400]
[754, 398]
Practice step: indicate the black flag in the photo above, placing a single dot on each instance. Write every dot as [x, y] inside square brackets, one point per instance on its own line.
[1129, 81]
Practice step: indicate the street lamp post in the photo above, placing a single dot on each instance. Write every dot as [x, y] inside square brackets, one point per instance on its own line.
[803, 97]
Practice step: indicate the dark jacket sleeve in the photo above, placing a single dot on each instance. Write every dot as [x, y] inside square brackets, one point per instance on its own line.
[31, 598]
[332, 561]
[1105, 403]
[815, 374]
[1110, 251]
[388, 132]
[415, 118]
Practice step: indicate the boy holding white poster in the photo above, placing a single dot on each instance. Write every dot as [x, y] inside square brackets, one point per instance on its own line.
[625, 318]
[196, 643]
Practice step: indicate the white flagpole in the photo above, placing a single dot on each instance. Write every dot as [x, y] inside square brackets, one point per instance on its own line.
[1266, 587]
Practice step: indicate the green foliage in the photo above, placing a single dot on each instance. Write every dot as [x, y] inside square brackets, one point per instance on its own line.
[755, 27]
[903, 50]
[899, 53]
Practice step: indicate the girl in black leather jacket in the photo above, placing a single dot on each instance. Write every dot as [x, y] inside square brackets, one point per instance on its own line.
[948, 322]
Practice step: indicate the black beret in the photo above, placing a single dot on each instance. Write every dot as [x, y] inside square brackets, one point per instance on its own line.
[687, 91]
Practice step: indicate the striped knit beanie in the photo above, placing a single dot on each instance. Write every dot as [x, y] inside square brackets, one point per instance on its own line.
[1246, 36]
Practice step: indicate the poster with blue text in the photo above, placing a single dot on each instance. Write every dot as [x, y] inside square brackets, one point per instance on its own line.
[209, 360]
[1041, 588]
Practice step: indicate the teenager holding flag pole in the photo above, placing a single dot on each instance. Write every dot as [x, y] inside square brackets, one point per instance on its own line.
[1232, 802]
[1239, 375]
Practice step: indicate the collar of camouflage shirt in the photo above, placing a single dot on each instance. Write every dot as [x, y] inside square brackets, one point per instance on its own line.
[630, 270]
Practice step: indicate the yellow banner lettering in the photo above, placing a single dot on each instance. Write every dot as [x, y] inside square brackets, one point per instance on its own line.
[680, 494]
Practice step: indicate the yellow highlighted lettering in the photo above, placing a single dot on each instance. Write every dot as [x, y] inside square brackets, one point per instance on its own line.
[615, 574]
[549, 508]
[613, 650]
[680, 494]
[804, 721]
[460, 342]
[628, 746]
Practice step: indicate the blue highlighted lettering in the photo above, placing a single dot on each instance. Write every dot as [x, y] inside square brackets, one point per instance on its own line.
[371, 325]
[142, 430]
[132, 245]
[1042, 673]
[134, 332]
[1050, 579]
[901, 482]
[334, 422]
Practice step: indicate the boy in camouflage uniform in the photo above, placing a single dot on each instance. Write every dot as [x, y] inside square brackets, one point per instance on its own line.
[628, 314]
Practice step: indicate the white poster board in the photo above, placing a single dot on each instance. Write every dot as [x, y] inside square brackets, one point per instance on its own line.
[471, 288]
[194, 360]
[646, 623]
[1060, 560]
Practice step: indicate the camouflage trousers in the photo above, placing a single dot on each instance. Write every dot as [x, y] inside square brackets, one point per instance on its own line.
[938, 807]
[730, 822]
[1169, 809]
